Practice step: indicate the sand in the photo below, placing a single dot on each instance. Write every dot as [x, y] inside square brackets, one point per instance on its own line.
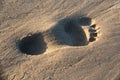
[59, 39]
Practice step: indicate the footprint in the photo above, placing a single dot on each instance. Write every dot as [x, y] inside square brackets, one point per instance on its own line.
[68, 31]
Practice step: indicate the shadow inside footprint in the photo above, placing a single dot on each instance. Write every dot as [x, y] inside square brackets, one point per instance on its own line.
[84, 21]
[32, 44]
[69, 31]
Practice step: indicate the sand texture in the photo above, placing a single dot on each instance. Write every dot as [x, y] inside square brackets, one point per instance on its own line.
[59, 39]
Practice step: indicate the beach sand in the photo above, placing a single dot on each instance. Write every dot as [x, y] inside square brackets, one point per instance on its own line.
[59, 39]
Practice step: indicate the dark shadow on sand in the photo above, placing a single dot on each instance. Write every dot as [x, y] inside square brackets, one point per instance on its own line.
[68, 31]
[32, 45]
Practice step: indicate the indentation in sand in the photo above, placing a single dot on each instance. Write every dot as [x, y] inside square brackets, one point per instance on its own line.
[70, 31]
[94, 32]
[32, 44]
[76, 33]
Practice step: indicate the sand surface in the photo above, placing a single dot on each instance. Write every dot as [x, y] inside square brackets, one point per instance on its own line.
[59, 39]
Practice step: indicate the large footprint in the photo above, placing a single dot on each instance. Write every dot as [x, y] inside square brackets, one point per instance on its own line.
[68, 31]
